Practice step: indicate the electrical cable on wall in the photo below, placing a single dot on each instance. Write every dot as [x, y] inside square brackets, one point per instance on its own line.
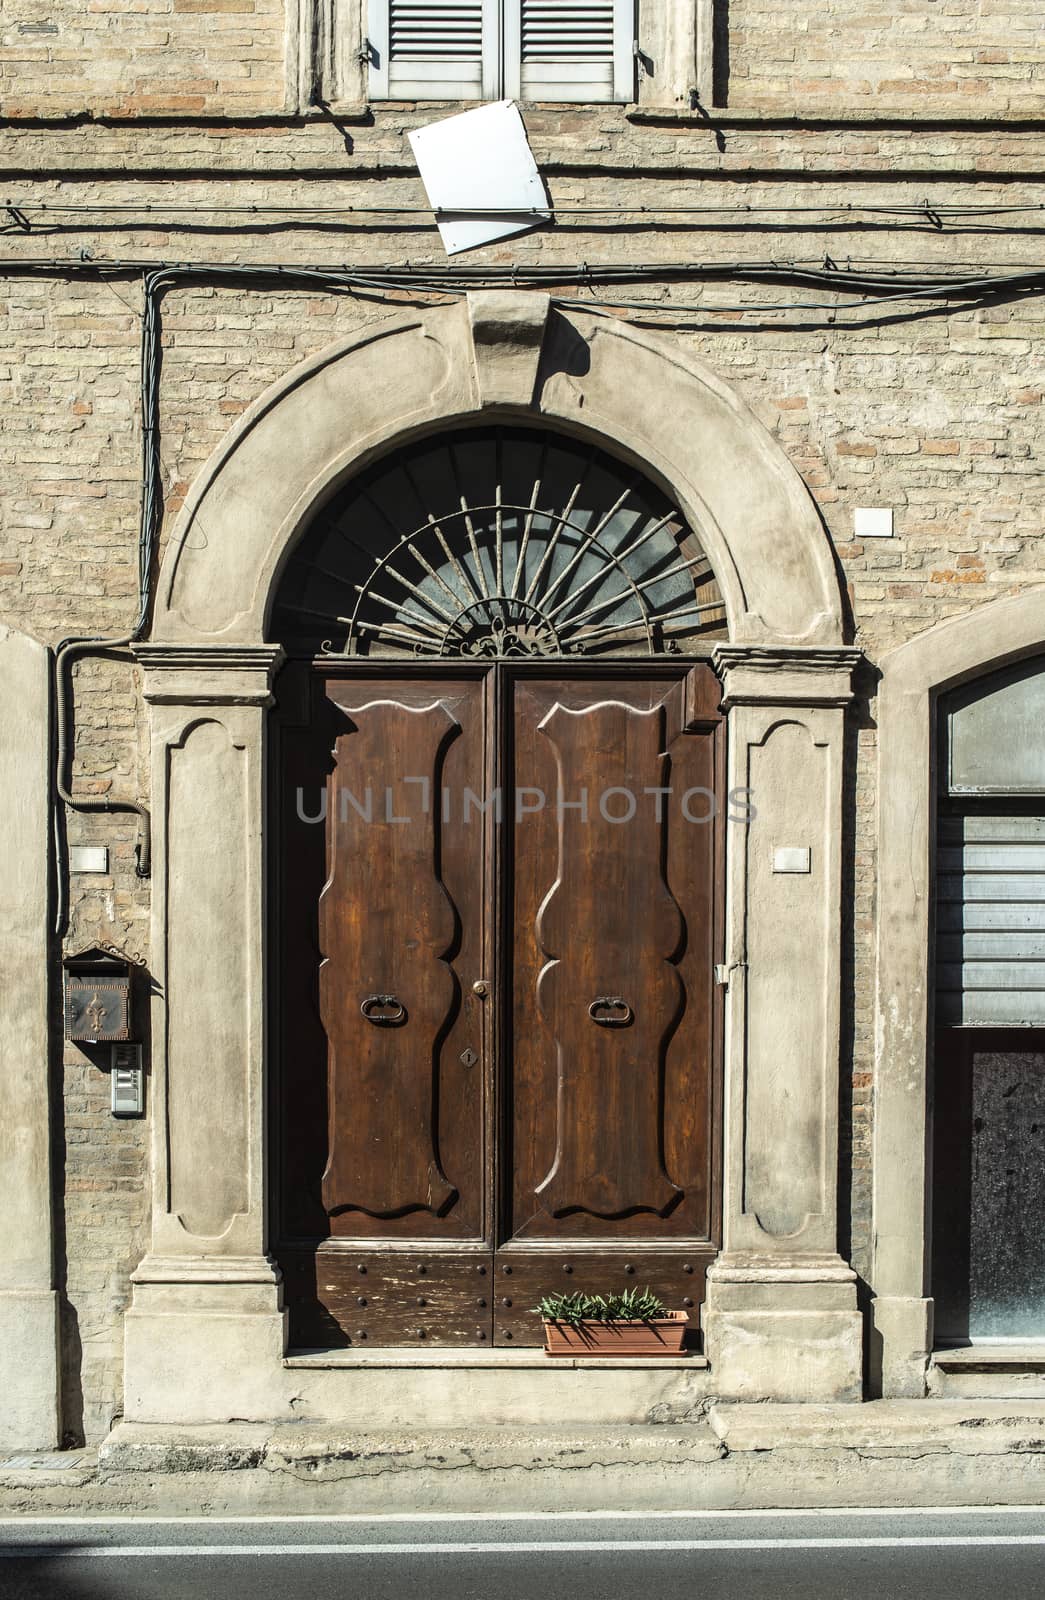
[877, 288]
[21, 212]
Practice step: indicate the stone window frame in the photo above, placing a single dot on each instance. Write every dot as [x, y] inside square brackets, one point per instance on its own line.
[947, 655]
[326, 55]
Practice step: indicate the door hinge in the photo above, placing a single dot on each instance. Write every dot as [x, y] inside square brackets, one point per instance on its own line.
[723, 970]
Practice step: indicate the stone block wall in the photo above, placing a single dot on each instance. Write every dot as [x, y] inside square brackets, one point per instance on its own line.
[935, 413]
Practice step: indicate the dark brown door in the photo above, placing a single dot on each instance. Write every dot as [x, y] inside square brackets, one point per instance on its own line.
[499, 1036]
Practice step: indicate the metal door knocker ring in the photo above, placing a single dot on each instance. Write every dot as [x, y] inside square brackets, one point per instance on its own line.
[610, 1011]
[383, 1010]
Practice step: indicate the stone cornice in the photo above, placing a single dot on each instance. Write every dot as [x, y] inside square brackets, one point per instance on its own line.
[785, 675]
[209, 674]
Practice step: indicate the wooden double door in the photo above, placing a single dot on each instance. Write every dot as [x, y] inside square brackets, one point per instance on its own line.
[499, 918]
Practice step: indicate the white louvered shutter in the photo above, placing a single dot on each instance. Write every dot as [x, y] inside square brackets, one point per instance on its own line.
[434, 49]
[573, 50]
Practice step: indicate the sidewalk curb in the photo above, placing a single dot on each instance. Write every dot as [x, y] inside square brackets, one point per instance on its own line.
[887, 1453]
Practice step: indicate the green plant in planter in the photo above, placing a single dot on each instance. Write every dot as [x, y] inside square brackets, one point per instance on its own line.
[633, 1305]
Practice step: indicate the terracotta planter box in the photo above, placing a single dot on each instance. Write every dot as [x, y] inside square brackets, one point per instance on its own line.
[662, 1336]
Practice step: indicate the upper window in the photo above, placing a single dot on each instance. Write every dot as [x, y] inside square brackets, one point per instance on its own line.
[498, 542]
[571, 50]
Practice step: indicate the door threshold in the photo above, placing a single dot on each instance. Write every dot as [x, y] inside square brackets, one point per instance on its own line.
[400, 1356]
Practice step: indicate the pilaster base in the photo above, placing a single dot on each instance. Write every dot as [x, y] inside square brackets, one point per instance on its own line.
[901, 1343]
[775, 1331]
[207, 1348]
[29, 1369]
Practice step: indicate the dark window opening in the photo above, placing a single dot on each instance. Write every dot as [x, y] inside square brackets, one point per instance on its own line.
[988, 1250]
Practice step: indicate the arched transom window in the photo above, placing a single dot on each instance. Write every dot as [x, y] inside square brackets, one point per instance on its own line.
[498, 542]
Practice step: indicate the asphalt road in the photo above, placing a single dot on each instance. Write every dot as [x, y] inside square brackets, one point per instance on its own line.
[840, 1555]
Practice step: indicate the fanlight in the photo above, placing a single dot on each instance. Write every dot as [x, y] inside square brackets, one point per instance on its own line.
[498, 543]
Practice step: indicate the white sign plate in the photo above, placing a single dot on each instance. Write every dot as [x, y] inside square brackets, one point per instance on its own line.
[791, 858]
[89, 858]
[873, 522]
[475, 161]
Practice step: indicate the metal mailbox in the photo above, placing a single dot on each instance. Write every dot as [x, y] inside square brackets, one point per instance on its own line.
[97, 997]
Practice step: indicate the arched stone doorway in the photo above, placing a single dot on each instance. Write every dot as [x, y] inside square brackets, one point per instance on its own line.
[500, 895]
[780, 1316]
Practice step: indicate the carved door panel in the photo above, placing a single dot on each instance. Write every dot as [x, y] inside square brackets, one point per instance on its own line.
[448, 1155]
[393, 1162]
[611, 1089]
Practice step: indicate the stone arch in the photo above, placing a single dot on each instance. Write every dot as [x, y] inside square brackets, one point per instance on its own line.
[913, 675]
[501, 354]
[206, 1316]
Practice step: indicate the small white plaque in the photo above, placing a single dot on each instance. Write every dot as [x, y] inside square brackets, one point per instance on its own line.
[477, 161]
[791, 858]
[89, 858]
[873, 522]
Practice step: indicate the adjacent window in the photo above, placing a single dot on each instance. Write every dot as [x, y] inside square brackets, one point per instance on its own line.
[567, 50]
[990, 859]
[989, 1099]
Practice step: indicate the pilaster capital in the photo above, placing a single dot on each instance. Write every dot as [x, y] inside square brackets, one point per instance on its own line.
[772, 675]
[209, 674]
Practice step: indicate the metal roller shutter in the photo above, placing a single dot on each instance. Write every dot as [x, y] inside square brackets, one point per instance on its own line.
[990, 921]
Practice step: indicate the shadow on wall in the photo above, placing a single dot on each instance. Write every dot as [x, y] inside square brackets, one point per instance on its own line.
[71, 1413]
[71, 1429]
[720, 53]
[854, 1129]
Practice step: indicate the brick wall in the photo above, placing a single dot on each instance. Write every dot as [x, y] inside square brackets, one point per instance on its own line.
[103, 1161]
[951, 53]
[937, 415]
[141, 57]
[102, 1236]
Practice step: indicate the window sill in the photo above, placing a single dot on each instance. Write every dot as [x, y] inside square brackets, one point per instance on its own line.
[1027, 1356]
[806, 116]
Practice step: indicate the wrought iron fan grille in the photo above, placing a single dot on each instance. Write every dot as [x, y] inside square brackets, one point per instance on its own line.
[498, 542]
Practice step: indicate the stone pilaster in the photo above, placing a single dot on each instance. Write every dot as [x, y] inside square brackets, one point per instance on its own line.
[205, 1331]
[29, 1363]
[781, 1318]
